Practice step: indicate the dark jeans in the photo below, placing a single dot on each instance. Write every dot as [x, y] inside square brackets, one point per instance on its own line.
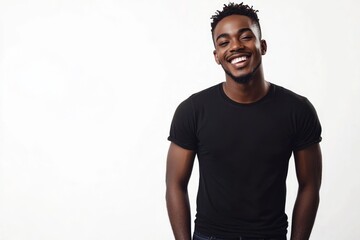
[200, 236]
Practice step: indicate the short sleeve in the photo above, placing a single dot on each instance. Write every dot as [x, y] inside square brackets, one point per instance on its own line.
[183, 126]
[308, 127]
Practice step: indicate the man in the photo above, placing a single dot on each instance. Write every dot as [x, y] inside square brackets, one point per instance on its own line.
[243, 132]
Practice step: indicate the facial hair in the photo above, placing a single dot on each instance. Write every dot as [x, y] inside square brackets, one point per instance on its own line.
[243, 79]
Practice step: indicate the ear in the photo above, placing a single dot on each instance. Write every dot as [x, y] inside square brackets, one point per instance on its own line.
[216, 57]
[263, 46]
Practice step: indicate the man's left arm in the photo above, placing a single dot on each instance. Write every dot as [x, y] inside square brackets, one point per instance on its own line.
[308, 163]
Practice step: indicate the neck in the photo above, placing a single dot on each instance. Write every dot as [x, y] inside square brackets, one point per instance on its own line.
[248, 92]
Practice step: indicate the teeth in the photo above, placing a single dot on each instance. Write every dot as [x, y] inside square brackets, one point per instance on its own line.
[239, 59]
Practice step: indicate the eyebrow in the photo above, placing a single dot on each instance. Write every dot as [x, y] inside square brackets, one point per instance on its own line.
[240, 31]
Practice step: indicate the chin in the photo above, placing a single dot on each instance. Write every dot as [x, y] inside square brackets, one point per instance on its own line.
[241, 79]
[244, 77]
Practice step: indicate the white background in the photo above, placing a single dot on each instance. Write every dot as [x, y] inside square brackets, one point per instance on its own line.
[88, 90]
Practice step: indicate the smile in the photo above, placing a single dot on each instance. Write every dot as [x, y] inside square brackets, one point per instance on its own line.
[239, 59]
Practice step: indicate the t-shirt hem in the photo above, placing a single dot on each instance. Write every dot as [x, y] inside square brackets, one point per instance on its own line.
[248, 234]
[181, 144]
[301, 147]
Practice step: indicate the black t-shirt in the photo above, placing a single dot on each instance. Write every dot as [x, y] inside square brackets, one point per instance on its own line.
[243, 152]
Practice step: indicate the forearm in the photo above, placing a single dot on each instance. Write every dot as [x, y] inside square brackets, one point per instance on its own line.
[304, 213]
[179, 212]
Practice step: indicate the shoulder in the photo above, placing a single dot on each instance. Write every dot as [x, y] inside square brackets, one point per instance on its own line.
[197, 100]
[202, 97]
[285, 93]
[206, 93]
[290, 98]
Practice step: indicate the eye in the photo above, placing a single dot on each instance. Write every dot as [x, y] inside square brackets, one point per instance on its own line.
[223, 44]
[246, 37]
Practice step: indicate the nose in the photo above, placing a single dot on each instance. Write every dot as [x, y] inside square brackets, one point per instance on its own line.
[236, 45]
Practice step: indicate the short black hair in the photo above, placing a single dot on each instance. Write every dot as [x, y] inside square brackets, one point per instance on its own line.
[235, 9]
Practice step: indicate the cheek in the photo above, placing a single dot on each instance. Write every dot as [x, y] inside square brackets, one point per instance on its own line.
[219, 59]
[258, 50]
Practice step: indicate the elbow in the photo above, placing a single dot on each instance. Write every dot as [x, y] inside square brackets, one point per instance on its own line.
[313, 186]
[174, 190]
[309, 193]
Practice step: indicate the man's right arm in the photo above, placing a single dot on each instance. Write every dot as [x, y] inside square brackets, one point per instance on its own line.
[178, 171]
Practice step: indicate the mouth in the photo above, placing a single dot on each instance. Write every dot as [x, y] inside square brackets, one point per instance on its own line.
[239, 60]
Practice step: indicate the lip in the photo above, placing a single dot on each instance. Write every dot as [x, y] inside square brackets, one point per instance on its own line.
[241, 64]
[231, 57]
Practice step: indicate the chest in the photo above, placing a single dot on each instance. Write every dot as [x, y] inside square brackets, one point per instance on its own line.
[262, 133]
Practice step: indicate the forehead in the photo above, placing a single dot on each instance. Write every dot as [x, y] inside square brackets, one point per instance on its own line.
[233, 23]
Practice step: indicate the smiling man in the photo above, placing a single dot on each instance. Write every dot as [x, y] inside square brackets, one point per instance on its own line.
[243, 132]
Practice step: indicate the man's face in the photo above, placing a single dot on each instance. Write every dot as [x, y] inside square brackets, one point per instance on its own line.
[238, 47]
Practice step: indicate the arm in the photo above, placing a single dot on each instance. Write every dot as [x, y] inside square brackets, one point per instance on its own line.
[308, 170]
[178, 171]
